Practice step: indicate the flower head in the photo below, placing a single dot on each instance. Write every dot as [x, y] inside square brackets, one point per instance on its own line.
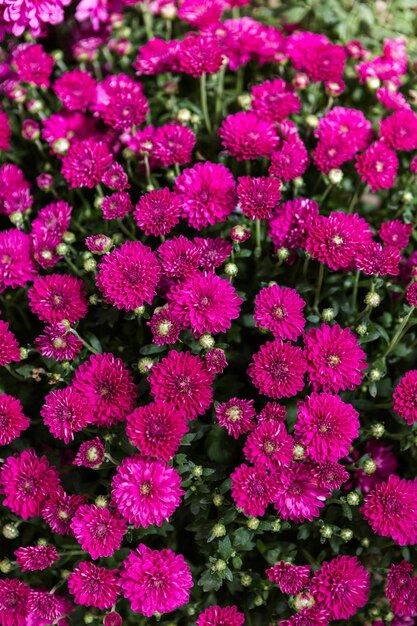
[9, 348]
[36, 558]
[59, 510]
[58, 297]
[278, 369]
[291, 223]
[290, 162]
[258, 197]
[173, 144]
[5, 131]
[86, 163]
[213, 251]
[269, 445]
[116, 206]
[33, 65]
[65, 412]
[298, 496]
[245, 136]
[99, 531]
[12, 419]
[76, 89]
[253, 489]
[90, 453]
[14, 598]
[16, 262]
[179, 257]
[120, 102]
[378, 166]
[274, 100]
[375, 260]
[237, 416]
[280, 310]
[94, 586]
[32, 15]
[199, 54]
[221, 616]
[156, 429]
[57, 343]
[157, 212]
[395, 233]
[289, 578]
[399, 130]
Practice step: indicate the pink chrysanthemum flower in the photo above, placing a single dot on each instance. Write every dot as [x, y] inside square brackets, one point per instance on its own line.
[391, 510]
[65, 412]
[5, 131]
[128, 276]
[14, 598]
[245, 136]
[411, 294]
[237, 416]
[146, 491]
[401, 589]
[395, 233]
[16, 263]
[278, 369]
[58, 297]
[375, 260]
[290, 162]
[336, 240]
[47, 608]
[73, 126]
[385, 461]
[298, 496]
[329, 475]
[44, 249]
[199, 54]
[205, 303]
[201, 13]
[214, 251]
[173, 144]
[348, 124]
[113, 619]
[215, 361]
[280, 310]
[399, 130]
[59, 510]
[274, 100]
[291, 223]
[207, 192]
[58, 344]
[155, 580]
[326, 426]
[258, 197]
[312, 616]
[341, 586]
[289, 578]
[404, 397]
[156, 430]
[179, 257]
[272, 412]
[120, 102]
[9, 348]
[253, 489]
[53, 218]
[27, 481]
[331, 151]
[239, 233]
[76, 89]
[269, 445]
[107, 386]
[36, 558]
[32, 14]
[99, 244]
[115, 177]
[157, 212]
[116, 206]
[323, 62]
[377, 166]
[86, 163]
[94, 586]
[99, 531]
[157, 56]
[221, 616]
[33, 65]
[164, 326]
[90, 454]
[334, 357]
[14, 190]
[182, 380]
[12, 419]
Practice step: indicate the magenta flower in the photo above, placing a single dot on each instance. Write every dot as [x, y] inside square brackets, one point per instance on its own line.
[14, 598]
[164, 326]
[58, 297]
[341, 587]
[32, 14]
[85, 164]
[289, 578]
[269, 445]
[146, 491]
[245, 136]
[107, 386]
[205, 303]
[201, 14]
[182, 380]
[157, 212]
[274, 100]
[54, 218]
[404, 397]
[329, 475]
[120, 102]
[36, 558]
[65, 412]
[399, 130]
[16, 263]
[99, 531]
[253, 489]
[5, 131]
[179, 257]
[335, 360]
[156, 430]
[128, 276]
[272, 412]
[46, 607]
[215, 361]
[298, 497]
[173, 144]
[9, 348]
[94, 586]
[221, 616]
[378, 166]
[115, 177]
[90, 454]
[76, 89]
[237, 416]
[258, 197]
[401, 589]
[155, 580]
[348, 124]
[59, 510]
[395, 233]
[291, 223]
[374, 260]
[58, 343]
[199, 54]
[33, 65]
[213, 251]
[326, 426]
[116, 206]
[157, 56]
[12, 419]
[290, 161]
[27, 482]
[278, 369]
[207, 192]
[280, 310]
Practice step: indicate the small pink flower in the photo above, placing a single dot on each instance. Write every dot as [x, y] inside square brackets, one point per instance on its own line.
[289, 578]
[374, 260]
[116, 206]
[378, 166]
[280, 310]
[399, 130]
[274, 100]
[16, 262]
[291, 223]
[199, 54]
[253, 489]
[58, 297]
[9, 348]
[86, 163]
[278, 369]
[120, 102]
[215, 361]
[221, 616]
[245, 136]
[12, 419]
[258, 197]
[179, 257]
[298, 496]
[94, 586]
[157, 212]
[90, 454]
[76, 89]
[33, 65]
[164, 326]
[58, 511]
[269, 445]
[173, 144]
[36, 558]
[290, 161]
[99, 531]
[14, 598]
[65, 412]
[57, 343]
[237, 416]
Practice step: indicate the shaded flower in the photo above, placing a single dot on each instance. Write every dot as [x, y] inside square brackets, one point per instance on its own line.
[58, 297]
[221, 616]
[164, 326]
[36, 558]
[269, 445]
[245, 136]
[57, 343]
[258, 197]
[90, 454]
[253, 489]
[298, 497]
[12, 419]
[278, 369]
[237, 416]
[199, 54]
[76, 89]
[157, 212]
[290, 162]
[65, 412]
[14, 597]
[59, 510]
[289, 578]
[9, 348]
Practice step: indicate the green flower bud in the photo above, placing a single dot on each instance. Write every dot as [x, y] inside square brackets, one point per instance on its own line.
[10, 531]
[283, 254]
[335, 176]
[246, 580]
[206, 341]
[372, 299]
[353, 498]
[327, 315]
[326, 531]
[369, 467]
[378, 430]
[231, 269]
[219, 530]
[253, 523]
[145, 365]
[218, 499]
[90, 265]
[346, 534]
[197, 471]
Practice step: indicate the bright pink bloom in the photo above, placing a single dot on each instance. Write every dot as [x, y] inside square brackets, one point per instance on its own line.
[75, 127]
[36, 558]
[395, 233]
[94, 586]
[14, 598]
[58, 297]
[155, 580]
[76, 89]
[27, 481]
[201, 13]
[156, 430]
[334, 357]
[215, 361]
[32, 14]
[386, 464]
[393, 100]
[90, 454]
[115, 177]
[199, 54]
[164, 326]
[253, 489]
[245, 136]
[107, 386]
[377, 166]
[12, 419]
[290, 162]
[272, 412]
[113, 619]
[290, 226]
[4, 131]
[54, 218]
[411, 294]
[128, 276]
[401, 589]
[289, 578]
[298, 496]
[45, 607]
[214, 251]
[312, 616]
[15, 193]
[157, 212]
[156, 57]
[65, 412]
[33, 65]
[57, 343]
[16, 263]
[375, 260]
[278, 369]
[116, 206]
[146, 491]
[404, 397]
[391, 510]
[269, 445]
[86, 163]
[9, 348]
[179, 257]
[274, 100]
[221, 616]
[280, 310]
[399, 130]
[258, 197]
[99, 531]
[173, 144]
[348, 124]
[329, 475]
[326, 426]
[324, 61]
[341, 587]
[99, 244]
[59, 510]
[207, 192]
[120, 102]
[237, 416]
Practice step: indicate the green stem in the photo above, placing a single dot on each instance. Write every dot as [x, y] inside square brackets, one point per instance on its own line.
[325, 194]
[355, 291]
[177, 169]
[305, 265]
[359, 191]
[399, 333]
[318, 287]
[219, 93]
[125, 230]
[203, 96]
[147, 20]
[258, 247]
[148, 172]
[73, 267]
[14, 374]
[84, 342]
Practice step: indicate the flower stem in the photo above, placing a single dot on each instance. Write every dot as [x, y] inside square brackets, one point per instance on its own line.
[148, 172]
[84, 342]
[355, 291]
[147, 19]
[219, 93]
[318, 287]
[258, 247]
[203, 96]
[399, 333]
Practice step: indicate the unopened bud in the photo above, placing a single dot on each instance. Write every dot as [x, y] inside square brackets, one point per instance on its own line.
[346, 534]
[326, 531]
[378, 430]
[218, 499]
[283, 254]
[328, 314]
[206, 341]
[61, 146]
[184, 116]
[253, 523]
[62, 249]
[298, 452]
[375, 375]
[312, 121]
[219, 530]
[361, 329]
[369, 467]
[372, 299]
[335, 176]
[246, 580]
[231, 269]
[145, 365]
[90, 265]
[373, 83]
[5, 566]
[10, 531]
[197, 471]
[353, 498]
[245, 101]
